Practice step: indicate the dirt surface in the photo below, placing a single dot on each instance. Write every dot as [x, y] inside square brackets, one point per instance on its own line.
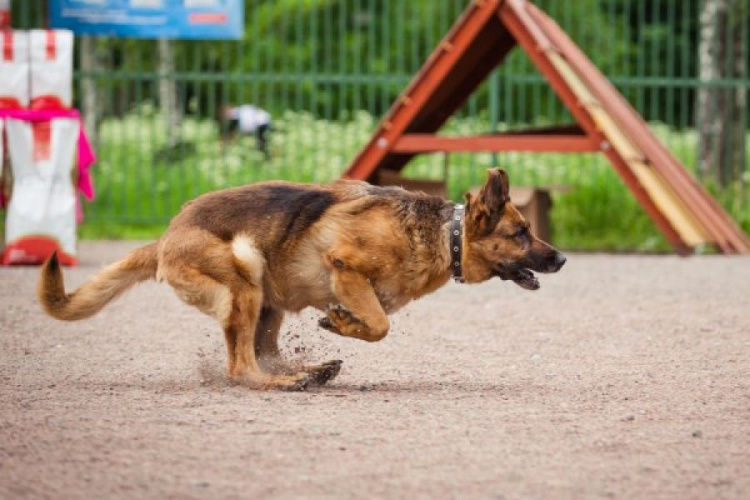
[623, 377]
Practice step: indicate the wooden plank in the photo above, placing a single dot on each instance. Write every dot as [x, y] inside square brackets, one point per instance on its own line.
[570, 99]
[428, 143]
[532, 48]
[585, 97]
[592, 105]
[665, 198]
[571, 129]
[727, 235]
[423, 87]
[683, 220]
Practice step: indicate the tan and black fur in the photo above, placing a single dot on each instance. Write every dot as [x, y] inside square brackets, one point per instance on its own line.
[357, 252]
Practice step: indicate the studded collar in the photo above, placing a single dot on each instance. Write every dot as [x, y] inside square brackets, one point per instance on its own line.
[456, 242]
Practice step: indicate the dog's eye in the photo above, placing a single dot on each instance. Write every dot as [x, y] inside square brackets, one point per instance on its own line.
[521, 232]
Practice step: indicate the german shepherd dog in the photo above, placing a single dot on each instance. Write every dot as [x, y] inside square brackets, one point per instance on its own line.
[352, 250]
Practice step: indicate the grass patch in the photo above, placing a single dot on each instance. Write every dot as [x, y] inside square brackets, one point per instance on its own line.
[141, 183]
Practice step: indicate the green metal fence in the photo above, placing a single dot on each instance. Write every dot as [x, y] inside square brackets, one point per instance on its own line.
[328, 69]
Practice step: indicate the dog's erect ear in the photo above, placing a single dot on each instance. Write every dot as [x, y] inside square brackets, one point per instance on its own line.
[468, 201]
[494, 193]
[486, 208]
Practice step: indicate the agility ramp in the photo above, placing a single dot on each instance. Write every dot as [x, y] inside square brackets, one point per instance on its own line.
[605, 122]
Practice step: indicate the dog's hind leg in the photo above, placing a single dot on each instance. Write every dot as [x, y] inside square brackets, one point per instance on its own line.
[267, 333]
[236, 305]
[269, 356]
[241, 327]
[207, 295]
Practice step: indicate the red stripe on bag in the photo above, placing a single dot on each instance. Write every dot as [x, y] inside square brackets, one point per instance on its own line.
[51, 45]
[42, 133]
[8, 45]
[10, 103]
[32, 250]
[4, 18]
[44, 102]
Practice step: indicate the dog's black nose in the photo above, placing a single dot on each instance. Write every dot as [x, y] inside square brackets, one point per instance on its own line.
[555, 261]
[560, 260]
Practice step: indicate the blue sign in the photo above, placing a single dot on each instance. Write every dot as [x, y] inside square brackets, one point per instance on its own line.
[192, 19]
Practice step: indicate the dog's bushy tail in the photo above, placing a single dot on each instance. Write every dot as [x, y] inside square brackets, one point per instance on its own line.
[139, 265]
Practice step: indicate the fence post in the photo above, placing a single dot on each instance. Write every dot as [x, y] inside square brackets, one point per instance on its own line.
[90, 99]
[720, 110]
[168, 91]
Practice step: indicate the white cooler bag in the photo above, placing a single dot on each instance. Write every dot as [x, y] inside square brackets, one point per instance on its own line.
[51, 69]
[41, 215]
[14, 69]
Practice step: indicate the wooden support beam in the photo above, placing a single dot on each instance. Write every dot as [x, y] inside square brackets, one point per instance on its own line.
[427, 81]
[726, 233]
[429, 143]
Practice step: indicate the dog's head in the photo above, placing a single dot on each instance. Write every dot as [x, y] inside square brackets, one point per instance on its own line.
[500, 242]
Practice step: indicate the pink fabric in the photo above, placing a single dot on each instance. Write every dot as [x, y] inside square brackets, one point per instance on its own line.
[86, 158]
[32, 115]
[86, 155]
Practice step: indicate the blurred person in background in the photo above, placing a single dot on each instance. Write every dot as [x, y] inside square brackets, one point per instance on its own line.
[247, 119]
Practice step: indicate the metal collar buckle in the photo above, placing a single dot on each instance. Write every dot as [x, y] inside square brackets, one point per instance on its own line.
[456, 242]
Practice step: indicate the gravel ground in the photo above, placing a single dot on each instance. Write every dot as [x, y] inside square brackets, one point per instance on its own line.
[623, 377]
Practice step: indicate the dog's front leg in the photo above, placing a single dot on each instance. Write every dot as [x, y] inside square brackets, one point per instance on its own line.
[359, 313]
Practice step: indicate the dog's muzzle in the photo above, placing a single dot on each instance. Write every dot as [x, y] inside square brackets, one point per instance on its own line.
[555, 263]
[522, 274]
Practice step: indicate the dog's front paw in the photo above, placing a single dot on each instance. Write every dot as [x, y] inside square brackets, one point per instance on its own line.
[325, 372]
[326, 323]
[339, 320]
[340, 314]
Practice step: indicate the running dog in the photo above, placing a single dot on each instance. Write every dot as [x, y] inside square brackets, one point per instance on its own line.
[354, 251]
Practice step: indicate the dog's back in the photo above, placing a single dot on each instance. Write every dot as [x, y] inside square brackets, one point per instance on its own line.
[273, 211]
[294, 227]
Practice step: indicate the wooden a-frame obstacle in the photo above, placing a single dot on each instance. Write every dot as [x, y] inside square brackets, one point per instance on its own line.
[478, 42]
